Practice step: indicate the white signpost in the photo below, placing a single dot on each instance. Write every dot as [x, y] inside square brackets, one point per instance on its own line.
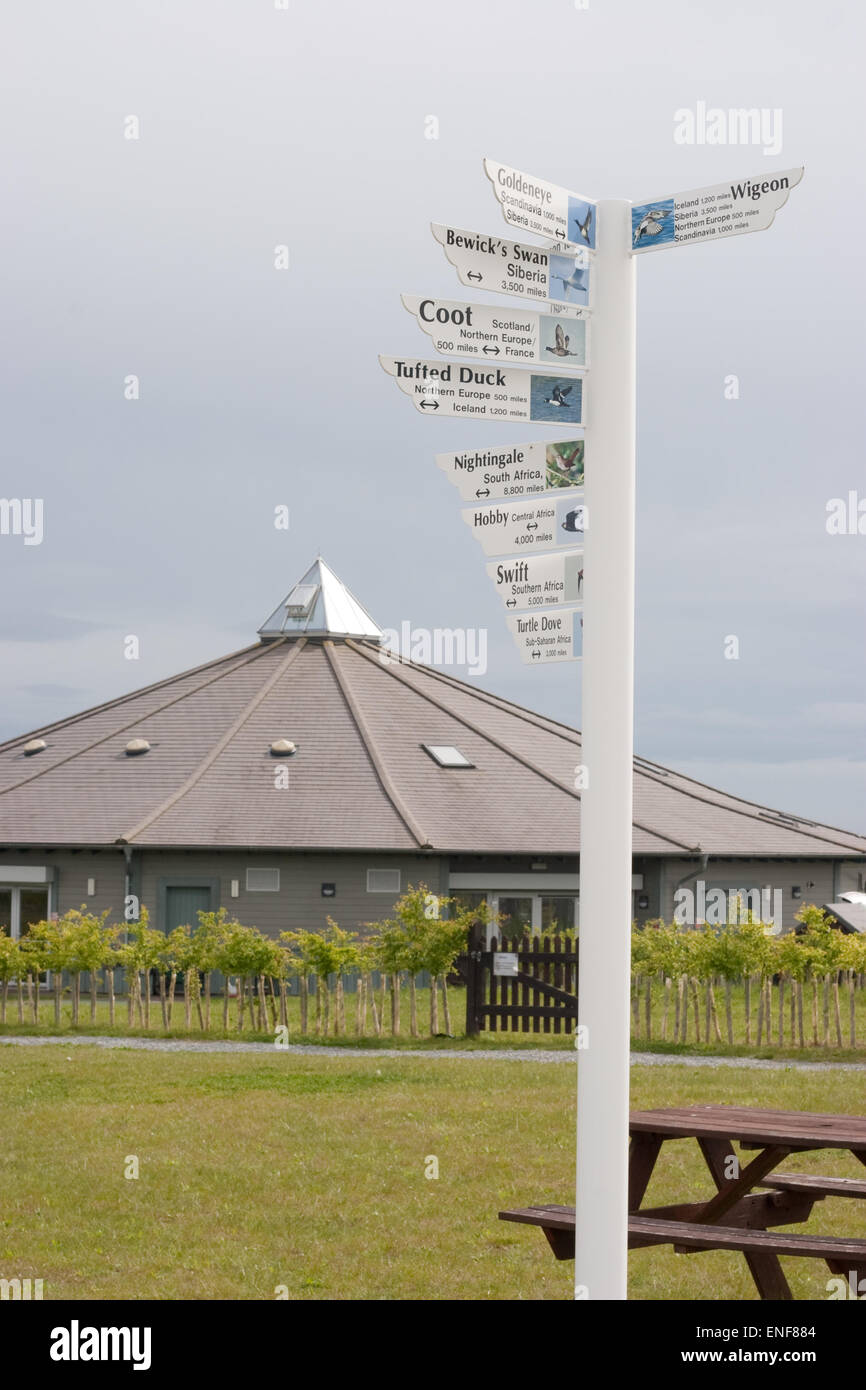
[539, 581]
[506, 335]
[521, 471]
[547, 523]
[549, 586]
[512, 267]
[551, 634]
[488, 393]
[543, 208]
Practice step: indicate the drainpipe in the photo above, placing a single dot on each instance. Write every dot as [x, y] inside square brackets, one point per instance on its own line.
[693, 873]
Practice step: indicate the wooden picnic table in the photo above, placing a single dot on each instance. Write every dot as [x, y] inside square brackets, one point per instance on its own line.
[750, 1198]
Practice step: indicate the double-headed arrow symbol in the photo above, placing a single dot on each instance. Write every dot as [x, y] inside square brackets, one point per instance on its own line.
[429, 405]
[474, 275]
[482, 492]
[491, 349]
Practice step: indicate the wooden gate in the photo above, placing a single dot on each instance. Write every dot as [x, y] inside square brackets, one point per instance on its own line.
[520, 986]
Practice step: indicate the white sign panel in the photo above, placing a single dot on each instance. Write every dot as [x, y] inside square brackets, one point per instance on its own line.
[521, 471]
[502, 266]
[500, 335]
[554, 634]
[543, 208]
[504, 962]
[539, 581]
[488, 393]
[707, 214]
[543, 524]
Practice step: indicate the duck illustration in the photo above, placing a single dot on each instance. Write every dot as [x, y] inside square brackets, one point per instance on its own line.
[584, 226]
[558, 395]
[560, 347]
[651, 224]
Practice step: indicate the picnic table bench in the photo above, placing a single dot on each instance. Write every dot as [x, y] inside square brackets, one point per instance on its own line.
[741, 1214]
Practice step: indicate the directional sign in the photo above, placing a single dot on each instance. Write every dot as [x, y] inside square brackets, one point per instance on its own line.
[521, 471]
[539, 581]
[511, 267]
[551, 634]
[542, 207]
[706, 214]
[541, 524]
[488, 393]
[506, 335]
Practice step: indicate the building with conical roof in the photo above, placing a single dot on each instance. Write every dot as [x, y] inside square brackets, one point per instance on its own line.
[315, 772]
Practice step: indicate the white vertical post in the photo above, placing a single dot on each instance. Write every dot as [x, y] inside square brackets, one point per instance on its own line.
[606, 802]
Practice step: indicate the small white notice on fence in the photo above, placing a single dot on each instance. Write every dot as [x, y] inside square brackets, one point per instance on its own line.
[505, 962]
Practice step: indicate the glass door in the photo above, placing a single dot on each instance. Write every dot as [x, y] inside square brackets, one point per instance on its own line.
[516, 915]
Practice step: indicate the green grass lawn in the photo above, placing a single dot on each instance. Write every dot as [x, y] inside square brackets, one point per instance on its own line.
[259, 1171]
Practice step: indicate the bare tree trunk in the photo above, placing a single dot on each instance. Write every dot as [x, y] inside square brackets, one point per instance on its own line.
[241, 986]
[837, 1012]
[92, 994]
[284, 1008]
[413, 1006]
[445, 1009]
[339, 1019]
[76, 998]
[36, 999]
[801, 1041]
[648, 1008]
[3, 1001]
[377, 1017]
[714, 1017]
[814, 1011]
[323, 986]
[163, 1002]
[852, 1023]
[147, 999]
[187, 1000]
[207, 975]
[761, 993]
[729, 1017]
[781, 1011]
[58, 993]
[263, 1005]
[635, 1005]
[697, 1007]
[434, 1007]
[382, 991]
[395, 1003]
[665, 1007]
[226, 979]
[681, 1023]
[172, 985]
[747, 1001]
[359, 1001]
[826, 1011]
[304, 995]
[271, 998]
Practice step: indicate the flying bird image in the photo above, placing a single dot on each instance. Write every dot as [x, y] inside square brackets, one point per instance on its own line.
[574, 281]
[558, 395]
[560, 347]
[650, 225]
[584, 226]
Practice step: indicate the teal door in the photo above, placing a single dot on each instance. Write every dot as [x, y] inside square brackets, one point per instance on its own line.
[181, 906]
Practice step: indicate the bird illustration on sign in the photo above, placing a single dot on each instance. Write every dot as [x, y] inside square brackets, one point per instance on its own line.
[654, 220]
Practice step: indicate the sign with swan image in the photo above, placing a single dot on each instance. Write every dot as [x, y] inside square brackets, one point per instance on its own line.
[543, 208]
[487, 393]
[707, 214]
[502, 266]
[506, 335]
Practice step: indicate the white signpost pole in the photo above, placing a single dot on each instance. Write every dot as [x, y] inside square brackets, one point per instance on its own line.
[606, 801]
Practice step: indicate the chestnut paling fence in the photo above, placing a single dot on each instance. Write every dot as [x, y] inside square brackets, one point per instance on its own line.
[737, 984]
[256, 973]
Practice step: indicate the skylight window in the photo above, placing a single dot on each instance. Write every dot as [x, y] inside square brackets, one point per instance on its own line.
[446, 755]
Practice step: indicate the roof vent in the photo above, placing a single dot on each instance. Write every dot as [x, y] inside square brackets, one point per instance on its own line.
[136, 746]
[300, 602]
[283, 748]
[35, 745]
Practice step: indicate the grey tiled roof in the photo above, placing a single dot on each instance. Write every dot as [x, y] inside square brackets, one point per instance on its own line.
[359, 779]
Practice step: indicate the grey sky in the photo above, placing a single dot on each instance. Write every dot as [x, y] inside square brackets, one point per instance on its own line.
[258, 387]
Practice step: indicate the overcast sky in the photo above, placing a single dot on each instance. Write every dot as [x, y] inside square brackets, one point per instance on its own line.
[261, 126]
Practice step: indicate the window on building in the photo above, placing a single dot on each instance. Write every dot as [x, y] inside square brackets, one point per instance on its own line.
[446, 755]
[263, 880]
[383, 880]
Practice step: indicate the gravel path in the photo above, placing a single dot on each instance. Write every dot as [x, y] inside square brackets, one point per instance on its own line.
[641, 1059]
